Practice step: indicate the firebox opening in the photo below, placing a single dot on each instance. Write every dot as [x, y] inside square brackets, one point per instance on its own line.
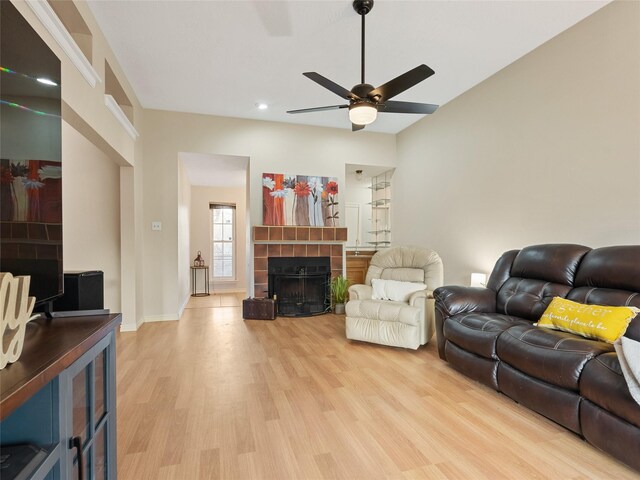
[300, 285]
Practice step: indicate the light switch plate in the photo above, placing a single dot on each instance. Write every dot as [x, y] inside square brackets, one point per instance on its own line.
[156, 226]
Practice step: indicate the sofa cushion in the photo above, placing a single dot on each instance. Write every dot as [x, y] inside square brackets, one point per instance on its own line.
[478, 332]
[602, 383]
[604, 296]
[554, 357]
[600, 322]
[554, 263]
[527, 298]
[611, 267]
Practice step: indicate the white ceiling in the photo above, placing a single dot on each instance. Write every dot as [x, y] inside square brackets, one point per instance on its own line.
[224, 57]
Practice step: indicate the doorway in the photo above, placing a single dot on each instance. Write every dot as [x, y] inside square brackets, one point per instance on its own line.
[214, 219]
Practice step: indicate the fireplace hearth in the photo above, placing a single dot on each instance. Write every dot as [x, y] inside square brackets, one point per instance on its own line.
[300, 285]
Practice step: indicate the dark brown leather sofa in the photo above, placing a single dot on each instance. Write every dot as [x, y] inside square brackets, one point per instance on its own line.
[488, 334]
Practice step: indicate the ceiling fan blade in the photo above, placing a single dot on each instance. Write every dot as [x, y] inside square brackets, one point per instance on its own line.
[401, 83]
[393, 106]
[355, 128]
[329, 85]
[318, 109]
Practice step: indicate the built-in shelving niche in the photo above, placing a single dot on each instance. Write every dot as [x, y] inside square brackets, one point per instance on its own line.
[75, 25]
[66, 25]
[117, 101]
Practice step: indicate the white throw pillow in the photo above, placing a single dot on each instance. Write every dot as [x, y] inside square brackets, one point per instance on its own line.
[394, 289]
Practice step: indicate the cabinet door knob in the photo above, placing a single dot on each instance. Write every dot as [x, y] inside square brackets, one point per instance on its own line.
[76, 443]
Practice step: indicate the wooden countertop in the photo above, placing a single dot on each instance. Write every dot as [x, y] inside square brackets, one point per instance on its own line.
[361, 253]
[50, 346]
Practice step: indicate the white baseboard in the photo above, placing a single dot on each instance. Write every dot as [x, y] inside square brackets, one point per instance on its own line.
[215, 290]
[126, 327]
[183, 306]
[161, 318]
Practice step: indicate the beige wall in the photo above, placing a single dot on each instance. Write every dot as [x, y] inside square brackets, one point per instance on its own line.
[546, 150]
[269, 146]
[184, 239]
[201, 229]
[84, 111]
[91, 212]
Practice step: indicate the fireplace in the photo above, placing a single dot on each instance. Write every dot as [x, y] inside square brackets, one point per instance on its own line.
[300, 285]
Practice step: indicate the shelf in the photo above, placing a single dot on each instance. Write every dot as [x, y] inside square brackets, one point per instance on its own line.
[380, 202]
[380, 244]
[380, 186]
[29, 461]
[61, 35]
[376, 232]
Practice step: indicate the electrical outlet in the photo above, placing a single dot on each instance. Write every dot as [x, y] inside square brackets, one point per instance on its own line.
[156, 226]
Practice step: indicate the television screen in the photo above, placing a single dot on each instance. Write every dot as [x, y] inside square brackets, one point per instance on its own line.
[30, 157]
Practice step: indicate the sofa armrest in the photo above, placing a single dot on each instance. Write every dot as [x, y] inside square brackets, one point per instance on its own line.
[360, 292]
[452, 300]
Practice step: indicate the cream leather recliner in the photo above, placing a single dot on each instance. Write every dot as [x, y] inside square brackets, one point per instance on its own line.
[409, 323]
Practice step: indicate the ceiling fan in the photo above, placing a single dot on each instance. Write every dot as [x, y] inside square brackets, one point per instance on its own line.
[365, 101]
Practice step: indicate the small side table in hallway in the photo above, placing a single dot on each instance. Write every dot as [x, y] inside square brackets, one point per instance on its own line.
[194, 281]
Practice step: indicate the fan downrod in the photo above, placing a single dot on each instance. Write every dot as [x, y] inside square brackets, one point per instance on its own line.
[362, 7]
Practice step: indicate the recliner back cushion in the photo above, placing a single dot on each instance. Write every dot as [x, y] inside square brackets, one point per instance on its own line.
[407, 264]
[609, 276]
[539, 273]
[403, 274]
[611, 267]
[556, 263]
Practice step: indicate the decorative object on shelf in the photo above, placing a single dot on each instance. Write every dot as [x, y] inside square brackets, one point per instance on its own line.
[339, 292]
[16, 310]
[299, 200]
[199, 261]
[478, 280]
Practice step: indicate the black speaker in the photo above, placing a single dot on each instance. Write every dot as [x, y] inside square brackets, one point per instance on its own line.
[82, 291]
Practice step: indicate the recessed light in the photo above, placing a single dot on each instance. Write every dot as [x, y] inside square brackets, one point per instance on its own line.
[46, 81]
[262, 106]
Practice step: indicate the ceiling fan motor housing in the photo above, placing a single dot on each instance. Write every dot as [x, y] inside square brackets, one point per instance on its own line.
[362, 7]
[362, 90]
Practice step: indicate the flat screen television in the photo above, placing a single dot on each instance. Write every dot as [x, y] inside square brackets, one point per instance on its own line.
[30, 157]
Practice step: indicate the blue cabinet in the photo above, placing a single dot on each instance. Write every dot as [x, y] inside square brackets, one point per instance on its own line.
[72, 417]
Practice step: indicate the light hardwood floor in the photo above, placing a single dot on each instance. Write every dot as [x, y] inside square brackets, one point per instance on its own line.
[213, 396]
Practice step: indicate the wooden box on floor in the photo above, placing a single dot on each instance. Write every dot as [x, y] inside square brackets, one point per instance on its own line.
[258, 309]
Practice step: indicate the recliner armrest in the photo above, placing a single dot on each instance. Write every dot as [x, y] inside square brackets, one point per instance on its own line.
[360, 292]
[453, 299]
[417, 298]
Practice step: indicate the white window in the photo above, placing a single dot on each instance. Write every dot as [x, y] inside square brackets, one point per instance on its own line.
[223, 240]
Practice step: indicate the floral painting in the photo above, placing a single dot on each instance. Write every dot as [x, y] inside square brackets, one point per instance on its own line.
[299, 200]
[30, 191]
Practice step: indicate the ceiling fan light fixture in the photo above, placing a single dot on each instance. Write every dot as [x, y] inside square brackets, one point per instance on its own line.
[362, 113]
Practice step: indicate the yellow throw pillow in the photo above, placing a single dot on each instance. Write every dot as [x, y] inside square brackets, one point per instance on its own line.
[591, 321]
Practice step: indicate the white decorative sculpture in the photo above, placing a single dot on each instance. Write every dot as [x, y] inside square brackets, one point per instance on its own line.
[15, 310]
